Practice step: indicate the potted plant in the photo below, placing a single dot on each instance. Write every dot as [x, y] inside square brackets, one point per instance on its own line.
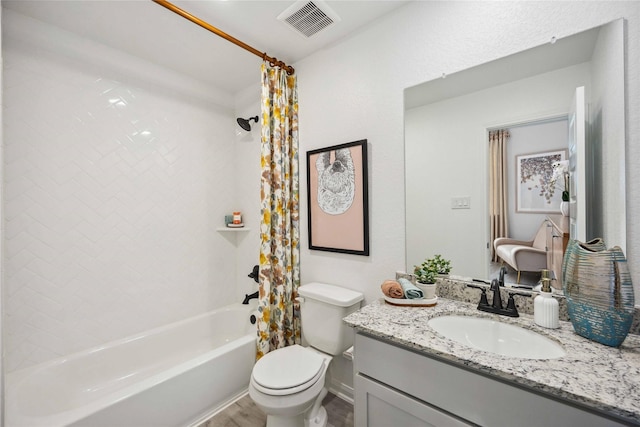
[561, 173]
[427, 272]
[441, 265]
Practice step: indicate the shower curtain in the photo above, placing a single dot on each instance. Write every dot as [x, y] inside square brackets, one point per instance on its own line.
[498, 187]
[279, 320]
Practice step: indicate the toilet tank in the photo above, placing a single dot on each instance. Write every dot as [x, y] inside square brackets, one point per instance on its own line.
[322, 308]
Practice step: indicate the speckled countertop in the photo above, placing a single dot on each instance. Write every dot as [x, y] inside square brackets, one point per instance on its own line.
[603, 378]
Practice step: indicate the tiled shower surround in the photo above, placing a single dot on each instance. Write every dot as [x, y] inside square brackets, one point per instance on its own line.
[113, 190]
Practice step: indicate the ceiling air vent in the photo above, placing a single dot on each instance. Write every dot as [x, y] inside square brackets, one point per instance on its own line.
[308, 17]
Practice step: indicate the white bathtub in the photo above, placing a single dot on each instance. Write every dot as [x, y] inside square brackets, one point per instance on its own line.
[175, 375]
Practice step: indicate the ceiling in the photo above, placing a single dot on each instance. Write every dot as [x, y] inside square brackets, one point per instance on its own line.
[147, 30]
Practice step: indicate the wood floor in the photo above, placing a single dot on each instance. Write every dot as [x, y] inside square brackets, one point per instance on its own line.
[244, 413]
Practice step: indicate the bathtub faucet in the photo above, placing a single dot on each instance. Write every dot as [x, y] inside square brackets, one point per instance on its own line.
[248, 297]
[255, 273]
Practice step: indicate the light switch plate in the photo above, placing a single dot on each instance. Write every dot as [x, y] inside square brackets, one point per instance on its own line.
[461, 202]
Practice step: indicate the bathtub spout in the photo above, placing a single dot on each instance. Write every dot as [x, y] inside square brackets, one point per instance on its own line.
[248, 297]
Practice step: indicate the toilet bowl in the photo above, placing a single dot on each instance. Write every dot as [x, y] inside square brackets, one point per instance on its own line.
[289, 384]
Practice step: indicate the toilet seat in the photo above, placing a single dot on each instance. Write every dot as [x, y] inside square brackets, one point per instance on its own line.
[287, 371]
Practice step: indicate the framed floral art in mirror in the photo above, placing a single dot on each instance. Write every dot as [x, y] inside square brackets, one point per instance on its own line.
[536, 190]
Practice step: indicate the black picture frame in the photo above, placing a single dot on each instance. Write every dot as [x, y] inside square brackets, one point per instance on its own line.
[338, 198]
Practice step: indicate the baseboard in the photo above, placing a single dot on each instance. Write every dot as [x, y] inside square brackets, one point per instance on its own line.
[341, 390]
[219, 408]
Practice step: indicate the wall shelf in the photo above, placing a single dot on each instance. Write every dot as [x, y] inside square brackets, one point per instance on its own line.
[232, 229]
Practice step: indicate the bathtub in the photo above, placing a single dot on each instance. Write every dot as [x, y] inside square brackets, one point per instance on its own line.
[175, 375]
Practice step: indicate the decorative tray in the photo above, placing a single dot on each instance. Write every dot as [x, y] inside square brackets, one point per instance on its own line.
[411, 302]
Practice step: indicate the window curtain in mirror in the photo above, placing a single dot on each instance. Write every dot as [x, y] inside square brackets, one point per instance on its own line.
[279, 279]
[498, 187]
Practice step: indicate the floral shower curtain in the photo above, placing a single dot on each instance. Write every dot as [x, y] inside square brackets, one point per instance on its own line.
[279, 320]
[498, 186]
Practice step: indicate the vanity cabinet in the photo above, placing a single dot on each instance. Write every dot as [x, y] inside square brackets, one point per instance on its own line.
[396, 386]
[556, 242]
[378, 405]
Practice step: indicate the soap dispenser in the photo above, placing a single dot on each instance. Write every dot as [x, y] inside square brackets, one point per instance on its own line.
[545, 306]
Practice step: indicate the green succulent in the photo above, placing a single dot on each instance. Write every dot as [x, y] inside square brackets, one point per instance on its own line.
[430, 268]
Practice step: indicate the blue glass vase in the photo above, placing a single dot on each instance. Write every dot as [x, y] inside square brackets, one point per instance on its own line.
[599, 292]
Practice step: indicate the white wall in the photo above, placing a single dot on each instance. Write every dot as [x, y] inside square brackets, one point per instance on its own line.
[247, 171]
[114, 187]
[354, 90]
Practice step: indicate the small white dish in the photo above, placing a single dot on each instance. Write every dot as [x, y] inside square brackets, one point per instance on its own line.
[412, 302]
[235, 225]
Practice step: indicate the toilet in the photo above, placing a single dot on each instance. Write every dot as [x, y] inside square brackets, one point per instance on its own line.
[288, 384]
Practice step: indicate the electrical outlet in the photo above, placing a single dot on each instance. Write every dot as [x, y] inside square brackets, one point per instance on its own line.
[461, 202]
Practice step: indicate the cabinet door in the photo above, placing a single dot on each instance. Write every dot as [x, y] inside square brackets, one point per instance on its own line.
[380, 406]
[422, 387]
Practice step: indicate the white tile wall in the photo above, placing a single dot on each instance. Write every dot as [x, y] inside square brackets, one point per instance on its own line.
[113, 192]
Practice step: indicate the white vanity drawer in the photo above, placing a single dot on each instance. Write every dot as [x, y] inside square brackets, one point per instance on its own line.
[468, 395]
[380, 406]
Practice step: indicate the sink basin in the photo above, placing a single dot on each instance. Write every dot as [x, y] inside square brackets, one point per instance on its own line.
[496, 337]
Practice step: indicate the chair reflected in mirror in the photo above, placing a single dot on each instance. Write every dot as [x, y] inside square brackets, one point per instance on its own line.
[523, 255]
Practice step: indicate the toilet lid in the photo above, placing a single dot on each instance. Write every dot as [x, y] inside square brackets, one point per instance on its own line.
[287, 367]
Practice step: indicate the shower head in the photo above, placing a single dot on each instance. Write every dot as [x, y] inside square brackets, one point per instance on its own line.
[244, 123]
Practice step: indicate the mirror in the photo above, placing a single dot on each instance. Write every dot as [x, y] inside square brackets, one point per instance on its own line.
[447, 121]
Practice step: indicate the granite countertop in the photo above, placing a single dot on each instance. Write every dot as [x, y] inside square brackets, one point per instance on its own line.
[603, 378]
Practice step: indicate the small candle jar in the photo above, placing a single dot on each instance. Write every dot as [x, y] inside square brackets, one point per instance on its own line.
[237, 218]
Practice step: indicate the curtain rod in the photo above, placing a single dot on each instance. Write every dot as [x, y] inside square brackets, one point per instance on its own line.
[273, 61]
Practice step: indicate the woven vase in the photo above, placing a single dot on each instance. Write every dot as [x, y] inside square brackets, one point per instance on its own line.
[599, 292]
